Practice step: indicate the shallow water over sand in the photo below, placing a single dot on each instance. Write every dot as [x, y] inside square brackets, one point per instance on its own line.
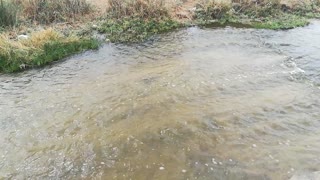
[193, 104]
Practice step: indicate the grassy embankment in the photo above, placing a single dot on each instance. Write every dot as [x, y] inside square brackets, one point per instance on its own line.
[262, 14]
[39, 47]
[136, 20]
[125, 21]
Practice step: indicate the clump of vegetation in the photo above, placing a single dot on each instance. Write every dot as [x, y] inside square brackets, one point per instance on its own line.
[40, 49]
[285, 21]
[136, 20]
[267, 14]
[45, 46]
[309, 10]
[132, 30]
[8, 13]
[138, 8]
[260, 9]
[49, 11]
[210, 9]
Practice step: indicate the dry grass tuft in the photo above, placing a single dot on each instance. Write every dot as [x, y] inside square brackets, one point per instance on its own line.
[38, 39]
[138, 8]
[39, 49]
[50, 11]
[7, 45]
[35, 42]
[214, 9]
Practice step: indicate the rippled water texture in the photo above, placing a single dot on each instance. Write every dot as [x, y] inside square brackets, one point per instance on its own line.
[192, 104]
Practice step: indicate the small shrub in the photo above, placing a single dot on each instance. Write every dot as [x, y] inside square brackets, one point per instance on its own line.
[37, 40]
[210, 9]
[138, 8]
[8, 13]
[49, 11]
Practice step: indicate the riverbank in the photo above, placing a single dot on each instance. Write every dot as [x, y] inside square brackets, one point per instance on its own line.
[43, 33]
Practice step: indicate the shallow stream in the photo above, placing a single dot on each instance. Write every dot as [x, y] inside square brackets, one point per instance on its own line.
[197, 103]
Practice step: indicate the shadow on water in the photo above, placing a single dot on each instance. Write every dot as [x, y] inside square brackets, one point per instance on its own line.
[227, 24]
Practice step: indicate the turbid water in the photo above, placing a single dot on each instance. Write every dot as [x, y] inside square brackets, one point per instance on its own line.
[193, 104]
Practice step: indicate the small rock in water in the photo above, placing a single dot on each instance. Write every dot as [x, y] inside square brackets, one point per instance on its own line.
[271, 157]
[102, 163]
[161, 168]
[254, 145]
[214, 161]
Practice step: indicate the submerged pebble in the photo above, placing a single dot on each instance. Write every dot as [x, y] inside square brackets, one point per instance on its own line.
[254, 145]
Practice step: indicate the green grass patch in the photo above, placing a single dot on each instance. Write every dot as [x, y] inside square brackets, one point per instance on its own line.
[277, 22]
[18, 59]
[132, 30]
[267, 15]
[281, 22]
[311, 15]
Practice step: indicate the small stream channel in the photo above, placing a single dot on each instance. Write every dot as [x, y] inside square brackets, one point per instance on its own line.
[197, 103]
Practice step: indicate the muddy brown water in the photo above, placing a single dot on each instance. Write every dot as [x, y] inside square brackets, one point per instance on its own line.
[193, 104]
